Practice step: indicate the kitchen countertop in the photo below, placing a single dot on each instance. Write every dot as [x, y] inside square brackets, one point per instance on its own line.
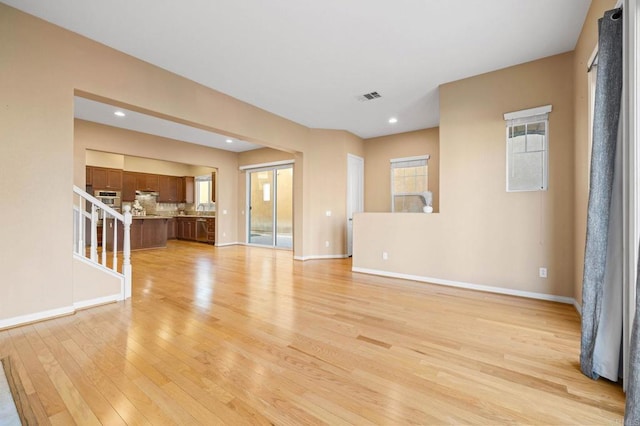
[151, 217]
[155, 216]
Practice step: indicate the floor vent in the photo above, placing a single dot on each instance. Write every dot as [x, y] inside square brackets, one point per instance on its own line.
[368, 96]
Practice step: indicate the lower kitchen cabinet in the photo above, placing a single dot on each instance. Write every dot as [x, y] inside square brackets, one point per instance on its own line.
[196, 229]
[186, 228]
[144, 233]
[172, 229]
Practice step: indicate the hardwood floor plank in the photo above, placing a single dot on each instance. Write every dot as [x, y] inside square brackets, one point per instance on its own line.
[245, 335]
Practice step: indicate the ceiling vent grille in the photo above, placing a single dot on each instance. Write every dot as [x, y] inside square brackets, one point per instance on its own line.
[369, 96]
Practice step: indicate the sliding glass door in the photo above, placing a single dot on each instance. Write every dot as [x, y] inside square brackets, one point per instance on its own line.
[270, 199]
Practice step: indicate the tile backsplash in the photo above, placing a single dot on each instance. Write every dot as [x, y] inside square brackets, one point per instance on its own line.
[171, 209]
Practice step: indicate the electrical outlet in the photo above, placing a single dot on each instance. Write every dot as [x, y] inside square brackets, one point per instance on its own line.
[326, 243]
[543, 272]
[385, 255]
[224, 234]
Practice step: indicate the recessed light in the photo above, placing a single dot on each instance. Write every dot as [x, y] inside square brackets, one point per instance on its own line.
[119, 113]
[229, 141]
[393, 120]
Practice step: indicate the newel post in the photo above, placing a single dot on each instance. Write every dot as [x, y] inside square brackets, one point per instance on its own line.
[126, 251]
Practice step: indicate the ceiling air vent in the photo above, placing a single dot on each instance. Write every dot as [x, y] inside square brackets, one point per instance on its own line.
[368, 96]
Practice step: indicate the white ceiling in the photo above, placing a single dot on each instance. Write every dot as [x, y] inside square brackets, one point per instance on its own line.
[98, 112]
[309, 60]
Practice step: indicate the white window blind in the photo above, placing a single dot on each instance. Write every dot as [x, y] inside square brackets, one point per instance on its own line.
[527, 149]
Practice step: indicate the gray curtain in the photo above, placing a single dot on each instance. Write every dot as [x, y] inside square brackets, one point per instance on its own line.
[602, 282]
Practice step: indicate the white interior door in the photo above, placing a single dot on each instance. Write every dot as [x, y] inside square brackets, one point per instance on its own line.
[355, 194]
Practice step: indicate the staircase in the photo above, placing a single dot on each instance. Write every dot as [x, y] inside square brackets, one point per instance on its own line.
[88, 214]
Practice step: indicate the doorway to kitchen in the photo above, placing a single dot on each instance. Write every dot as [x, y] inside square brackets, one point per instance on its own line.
[270, 206]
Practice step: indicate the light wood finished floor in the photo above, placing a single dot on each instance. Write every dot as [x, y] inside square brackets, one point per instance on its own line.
[245, 335]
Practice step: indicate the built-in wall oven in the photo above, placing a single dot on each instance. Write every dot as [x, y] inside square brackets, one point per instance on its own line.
[112, 199]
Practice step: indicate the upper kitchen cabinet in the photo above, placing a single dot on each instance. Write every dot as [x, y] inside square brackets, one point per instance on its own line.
[89, 176]
[151, 183]
[129, 182]
[168, 189]
[186, 189]
[189, 190]
[103, 178]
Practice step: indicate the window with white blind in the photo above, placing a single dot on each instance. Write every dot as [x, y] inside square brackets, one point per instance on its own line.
[527, 149]
[203, 191]
[410, 184]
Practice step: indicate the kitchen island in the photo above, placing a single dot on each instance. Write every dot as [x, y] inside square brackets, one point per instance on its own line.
[146, 232]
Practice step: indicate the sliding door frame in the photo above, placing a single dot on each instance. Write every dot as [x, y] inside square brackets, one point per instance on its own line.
[272, 168]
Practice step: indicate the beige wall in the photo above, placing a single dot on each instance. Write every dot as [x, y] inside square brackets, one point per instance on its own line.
[584, 48]
[143, 165]
[378, 152]
[44, 67]
[91, 283]
[484, 235]
[104, 159]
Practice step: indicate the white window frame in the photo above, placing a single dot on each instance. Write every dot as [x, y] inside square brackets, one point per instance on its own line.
[408, 162]
[198, 181]
[525, 117]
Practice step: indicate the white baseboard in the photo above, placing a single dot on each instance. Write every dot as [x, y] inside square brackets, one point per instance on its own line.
[578, 307]
[35, 317]
[323, 256]
[59, 312]
[469, 286]
[97, 301]
[229, 244]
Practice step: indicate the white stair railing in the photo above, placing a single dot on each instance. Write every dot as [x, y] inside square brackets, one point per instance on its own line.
[89, 214]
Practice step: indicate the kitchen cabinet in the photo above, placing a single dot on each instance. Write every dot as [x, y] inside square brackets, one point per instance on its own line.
[168, 189]
[134, 181]
[186, 228]
[186, 189]
[151, 182]
[172, 231]
[202, 229]
[211, 231]
[129, 181]
[145, 233]
[103, 178]
[89, 176]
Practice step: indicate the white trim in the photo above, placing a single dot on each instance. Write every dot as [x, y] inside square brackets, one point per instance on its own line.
[322, 256]
[97, 301]
[98, 203]
[630, 127]
[236, 243]
[469, 286]
[35, 317]
[100, 266]
[414, 158]
[578, 307]
[263, 165]
[527, 112]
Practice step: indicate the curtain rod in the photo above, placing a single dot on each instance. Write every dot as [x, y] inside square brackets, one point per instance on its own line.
[594, 56]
